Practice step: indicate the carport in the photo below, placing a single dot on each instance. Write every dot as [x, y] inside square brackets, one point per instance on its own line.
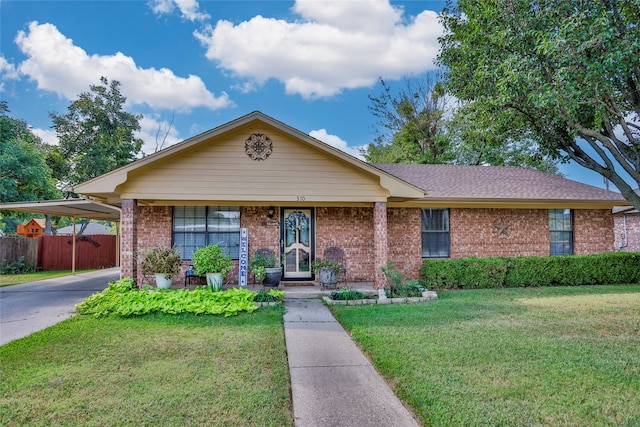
[74, 208]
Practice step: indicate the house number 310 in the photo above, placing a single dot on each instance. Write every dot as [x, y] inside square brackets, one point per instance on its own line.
[300, 198]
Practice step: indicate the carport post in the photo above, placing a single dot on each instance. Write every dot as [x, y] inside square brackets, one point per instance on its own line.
[73, 248]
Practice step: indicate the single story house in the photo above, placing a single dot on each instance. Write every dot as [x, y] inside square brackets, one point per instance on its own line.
[299, 196]
[92, 229]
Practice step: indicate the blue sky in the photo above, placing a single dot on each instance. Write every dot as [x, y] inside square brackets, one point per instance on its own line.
[308, 63]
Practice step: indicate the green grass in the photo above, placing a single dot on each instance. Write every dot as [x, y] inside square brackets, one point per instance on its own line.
[510, 357]
[16, 279]
[156, 370]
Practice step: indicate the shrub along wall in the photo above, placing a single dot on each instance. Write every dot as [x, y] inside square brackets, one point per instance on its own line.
[478, 273]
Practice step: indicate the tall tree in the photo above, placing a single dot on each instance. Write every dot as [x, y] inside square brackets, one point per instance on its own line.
[477, 138]
[408, 124]
[24, 175]
[96, 134]
[416, 125]
[566, 73]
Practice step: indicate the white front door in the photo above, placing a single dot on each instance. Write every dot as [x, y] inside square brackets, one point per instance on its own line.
[297, 237]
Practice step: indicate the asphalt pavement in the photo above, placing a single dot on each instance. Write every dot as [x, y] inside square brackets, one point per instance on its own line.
[30, 307]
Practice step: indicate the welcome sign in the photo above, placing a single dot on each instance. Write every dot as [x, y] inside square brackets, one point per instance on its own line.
[243, 269]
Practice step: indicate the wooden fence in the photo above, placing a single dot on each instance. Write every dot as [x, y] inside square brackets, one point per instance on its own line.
[96, 251]
[12, 248]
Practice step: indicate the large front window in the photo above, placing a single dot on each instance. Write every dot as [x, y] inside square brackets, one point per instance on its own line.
[435, 233]
[560, 232]
[197, 226]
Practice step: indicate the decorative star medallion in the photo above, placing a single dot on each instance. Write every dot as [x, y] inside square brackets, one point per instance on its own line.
[502, 228]
[258, 146]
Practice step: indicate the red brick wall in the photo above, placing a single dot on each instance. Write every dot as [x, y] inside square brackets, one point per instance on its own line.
[632, 234]
[128, 240]
[592, 231]
[405, 239]
[262, 232]
[154, 230]
[473, 232]
[350, 229]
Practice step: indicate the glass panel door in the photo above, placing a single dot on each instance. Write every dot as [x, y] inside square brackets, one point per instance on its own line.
[297, 240]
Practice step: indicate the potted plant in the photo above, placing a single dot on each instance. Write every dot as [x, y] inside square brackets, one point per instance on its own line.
[327, 271]
[212, 262]
[266, 269]
[164, 262]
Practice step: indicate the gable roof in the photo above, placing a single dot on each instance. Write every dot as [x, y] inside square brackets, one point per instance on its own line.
[121, 182]
[500, 186]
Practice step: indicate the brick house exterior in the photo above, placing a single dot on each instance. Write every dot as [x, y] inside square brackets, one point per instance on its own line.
[375, 213]
[627, 229]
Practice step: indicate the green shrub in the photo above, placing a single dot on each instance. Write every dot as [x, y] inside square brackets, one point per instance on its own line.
[412, 288]
[478, 273]
[123, 299]
[346, 294]
[16, 267]
[273, 295]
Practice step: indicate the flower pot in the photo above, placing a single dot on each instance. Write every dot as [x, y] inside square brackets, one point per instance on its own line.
[328, 276]
[162, 282]
[272, 277]
[215, 281]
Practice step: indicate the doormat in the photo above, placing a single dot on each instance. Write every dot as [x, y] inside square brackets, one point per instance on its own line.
[287, 284]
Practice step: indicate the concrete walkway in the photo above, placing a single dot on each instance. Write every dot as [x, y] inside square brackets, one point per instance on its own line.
[332, 382]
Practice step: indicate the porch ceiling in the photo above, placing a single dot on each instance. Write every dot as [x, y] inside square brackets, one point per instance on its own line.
[79, 208]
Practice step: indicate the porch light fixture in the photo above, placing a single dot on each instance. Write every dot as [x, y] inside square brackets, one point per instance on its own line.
[271, 211]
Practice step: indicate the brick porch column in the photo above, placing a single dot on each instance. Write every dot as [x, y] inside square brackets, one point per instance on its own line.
[380, 242]
[129, 239]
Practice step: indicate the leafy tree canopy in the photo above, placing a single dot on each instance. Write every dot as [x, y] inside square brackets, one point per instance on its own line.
[24, 175]
[565, 73]
[96, 134]
[409, 124]
[414, 127]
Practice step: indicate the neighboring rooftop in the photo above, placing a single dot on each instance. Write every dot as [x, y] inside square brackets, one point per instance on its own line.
[498, 183]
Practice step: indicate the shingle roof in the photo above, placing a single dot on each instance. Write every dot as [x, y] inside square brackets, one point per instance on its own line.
[496, 183]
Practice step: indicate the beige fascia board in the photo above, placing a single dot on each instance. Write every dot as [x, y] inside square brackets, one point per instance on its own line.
[145, 202]
[507, 203]
[289, 200]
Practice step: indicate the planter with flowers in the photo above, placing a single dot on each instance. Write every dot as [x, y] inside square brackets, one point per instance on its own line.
[164, 262]
[212, 262]
[327, 272]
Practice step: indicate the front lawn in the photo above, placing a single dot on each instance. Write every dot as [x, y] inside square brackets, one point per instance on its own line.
[511, 357]
[155, 370]
[16, 279]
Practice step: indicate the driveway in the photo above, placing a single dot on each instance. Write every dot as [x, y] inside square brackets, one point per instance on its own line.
[30, 307]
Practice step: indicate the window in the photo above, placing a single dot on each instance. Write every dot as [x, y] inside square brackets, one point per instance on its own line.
[197, 226]
[435, 233]
[560, 232]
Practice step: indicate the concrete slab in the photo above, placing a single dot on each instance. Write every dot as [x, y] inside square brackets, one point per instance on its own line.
[332, 382]
[31, 307]
[345, 396]
[307, 310]
[322, 345]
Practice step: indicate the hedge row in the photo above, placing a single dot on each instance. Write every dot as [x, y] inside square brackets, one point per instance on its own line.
[478, 273]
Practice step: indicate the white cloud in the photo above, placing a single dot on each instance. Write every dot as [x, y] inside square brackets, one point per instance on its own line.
[153, 131]
[8, 71]
[337, 142]
[47, 135]
[189, 9]
[336, 45]
[57, 65]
